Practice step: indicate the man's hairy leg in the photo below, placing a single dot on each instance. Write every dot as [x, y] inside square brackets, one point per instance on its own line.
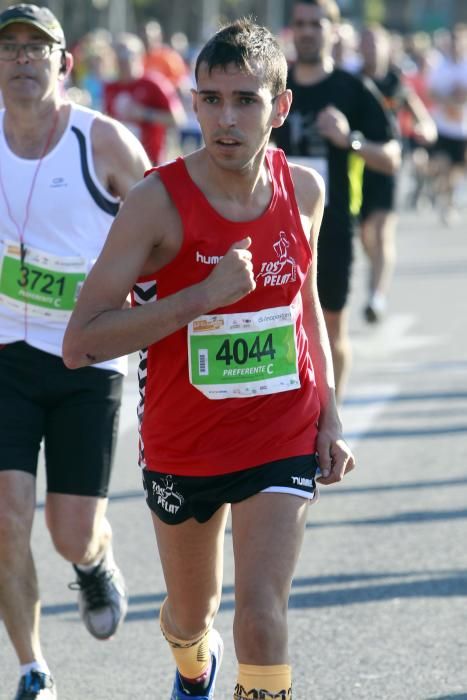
[192, 557]
[267, 534]
[19, 593]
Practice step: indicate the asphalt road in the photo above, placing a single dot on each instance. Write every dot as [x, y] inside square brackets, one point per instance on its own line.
[378, 606]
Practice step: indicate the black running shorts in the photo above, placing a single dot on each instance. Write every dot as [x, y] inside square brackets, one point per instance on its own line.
[378, 193]
[335, 256]
[454, 149]
[75, 412]
[174, 498]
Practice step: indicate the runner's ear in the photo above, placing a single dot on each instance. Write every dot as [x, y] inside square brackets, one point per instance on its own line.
[282, 103]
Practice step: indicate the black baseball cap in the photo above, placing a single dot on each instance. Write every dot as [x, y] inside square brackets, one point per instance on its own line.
[40, 17]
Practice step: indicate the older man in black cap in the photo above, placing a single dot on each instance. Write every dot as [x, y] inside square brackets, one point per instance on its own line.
[63, 171]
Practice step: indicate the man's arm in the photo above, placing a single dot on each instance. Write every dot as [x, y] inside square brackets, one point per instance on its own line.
[171, 116]
[335, 456]
[425, 130]
[162, 105]
[170, 111]
[120, 160]
[384, 157]
[145, 236]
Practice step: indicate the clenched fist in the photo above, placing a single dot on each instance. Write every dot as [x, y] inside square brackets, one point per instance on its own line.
[333, 125]
[232, 278]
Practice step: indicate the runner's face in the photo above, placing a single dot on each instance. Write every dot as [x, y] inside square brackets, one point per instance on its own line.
[23, 79]
[236, 111]
[374, 48]
[312, 33]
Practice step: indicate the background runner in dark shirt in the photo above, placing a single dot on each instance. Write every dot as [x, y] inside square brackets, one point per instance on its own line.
[332, 113]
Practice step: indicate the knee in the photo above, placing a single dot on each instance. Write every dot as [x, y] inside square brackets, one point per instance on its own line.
[259, 625]
[73, 541]
[340, 347]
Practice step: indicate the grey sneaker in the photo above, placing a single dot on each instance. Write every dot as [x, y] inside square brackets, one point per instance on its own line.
[36, 685]
[102, 599]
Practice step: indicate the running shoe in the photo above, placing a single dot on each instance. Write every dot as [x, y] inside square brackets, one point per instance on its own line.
[371, 315]
[102, 599]
[217, 649]
[375, 309]
[36, 685]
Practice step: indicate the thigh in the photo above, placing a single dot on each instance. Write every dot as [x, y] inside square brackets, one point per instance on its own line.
[191, 555]
[81, 431]
[337, 323]
[267, 532]
[22, 417]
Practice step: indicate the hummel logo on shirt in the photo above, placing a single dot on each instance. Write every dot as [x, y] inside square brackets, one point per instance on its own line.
[208, 259]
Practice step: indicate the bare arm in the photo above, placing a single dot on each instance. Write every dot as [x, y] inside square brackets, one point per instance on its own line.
[172, 116]
[119, 158]
[146, 229]
[382, 157]
[335, 456]
[425, 128]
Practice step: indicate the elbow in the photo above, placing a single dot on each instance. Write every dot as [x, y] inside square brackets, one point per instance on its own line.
[393, 162]
[72, 358]
[71, 362]
[394, 166]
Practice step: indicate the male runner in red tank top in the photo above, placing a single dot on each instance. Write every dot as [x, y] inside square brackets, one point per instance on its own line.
[239, 399]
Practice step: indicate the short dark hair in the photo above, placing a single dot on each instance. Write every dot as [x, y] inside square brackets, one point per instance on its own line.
[330, 7]
[243, 43]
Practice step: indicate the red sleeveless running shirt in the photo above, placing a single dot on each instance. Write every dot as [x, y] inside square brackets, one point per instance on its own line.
[182, 431]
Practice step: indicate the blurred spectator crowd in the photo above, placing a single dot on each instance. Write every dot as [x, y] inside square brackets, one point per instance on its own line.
[145, 81]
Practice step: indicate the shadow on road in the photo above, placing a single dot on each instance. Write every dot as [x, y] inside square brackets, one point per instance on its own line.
[412, 517]
[340, 590]
[458, 696]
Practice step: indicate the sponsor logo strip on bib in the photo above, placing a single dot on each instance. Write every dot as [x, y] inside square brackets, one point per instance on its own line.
[245, 354]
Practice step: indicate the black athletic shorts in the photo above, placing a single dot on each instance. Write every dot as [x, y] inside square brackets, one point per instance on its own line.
[378, 193]
[334, 261]
[454, 149]
[75, 412]
[174, 498]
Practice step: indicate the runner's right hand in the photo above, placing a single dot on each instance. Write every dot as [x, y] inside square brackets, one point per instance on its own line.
[232, 278]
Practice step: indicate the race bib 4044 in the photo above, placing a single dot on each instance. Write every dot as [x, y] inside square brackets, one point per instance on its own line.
[241, 355]
[47, 283]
